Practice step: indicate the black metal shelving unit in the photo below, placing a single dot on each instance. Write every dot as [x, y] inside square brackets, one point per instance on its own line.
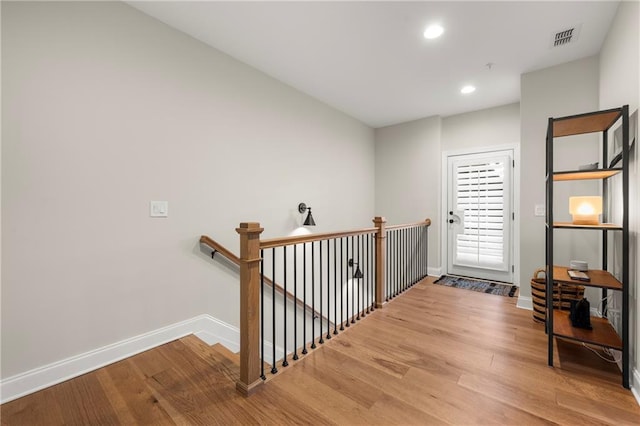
[558, 322]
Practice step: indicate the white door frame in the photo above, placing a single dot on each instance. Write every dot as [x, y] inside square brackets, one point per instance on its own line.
[444, 256]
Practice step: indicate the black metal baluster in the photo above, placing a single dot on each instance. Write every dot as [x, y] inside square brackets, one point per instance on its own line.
[361, 280]
[409, 259]
[361, 261]
[274, 370]
[354, 284]
[304, 298]
[408, 248]
[361, 285]
[321, 341]
[400, 263]
[405, 270]
[335, 286]
[284, 311]
[348, 280]
[412, 245]
[262, 375]
[417, 263]
[414, 255]
[421, 251]
[367, 276]
[341, 284]
[419, 242]
[395, 265]
[399, 257]
[387, 266]
[372, 268]
[328, 289]
[403, 261]
[396, 240]
[426, 250]
[357, 280]
[392, 264]
[313, 295]
[295, 302]
[403, 255]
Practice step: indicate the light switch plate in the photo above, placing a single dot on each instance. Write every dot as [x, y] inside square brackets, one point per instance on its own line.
[540, 210]
[158, 208]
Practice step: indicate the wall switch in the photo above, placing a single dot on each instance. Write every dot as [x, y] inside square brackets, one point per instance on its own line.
[540, 210]
[159, 208]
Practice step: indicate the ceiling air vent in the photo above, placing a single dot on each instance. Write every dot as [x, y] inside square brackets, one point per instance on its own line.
[564, 37]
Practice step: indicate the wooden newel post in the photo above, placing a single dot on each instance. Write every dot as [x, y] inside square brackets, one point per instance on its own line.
[381, 257]
[249, 307]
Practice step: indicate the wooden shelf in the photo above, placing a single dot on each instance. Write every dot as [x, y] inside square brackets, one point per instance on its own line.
[599, 278]
[585, 174]
[609, 226]
[602, 333]
[585, 123]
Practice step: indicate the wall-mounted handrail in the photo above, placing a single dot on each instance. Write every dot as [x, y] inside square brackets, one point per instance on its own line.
[219, 248]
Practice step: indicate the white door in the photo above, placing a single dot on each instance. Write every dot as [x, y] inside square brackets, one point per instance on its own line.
[479, 215]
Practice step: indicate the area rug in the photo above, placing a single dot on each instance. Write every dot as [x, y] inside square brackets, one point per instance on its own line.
[477, 285]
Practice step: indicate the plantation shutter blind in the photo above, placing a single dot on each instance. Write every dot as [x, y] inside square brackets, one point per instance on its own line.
[480, 198]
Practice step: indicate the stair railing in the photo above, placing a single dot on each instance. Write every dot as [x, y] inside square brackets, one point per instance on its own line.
[343, 276]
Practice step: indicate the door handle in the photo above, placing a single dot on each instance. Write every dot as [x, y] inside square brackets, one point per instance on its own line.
[454, 218]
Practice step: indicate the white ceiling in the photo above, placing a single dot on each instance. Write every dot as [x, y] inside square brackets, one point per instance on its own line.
[370, 60]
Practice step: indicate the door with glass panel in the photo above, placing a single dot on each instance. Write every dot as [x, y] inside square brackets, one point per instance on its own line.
[479, 215]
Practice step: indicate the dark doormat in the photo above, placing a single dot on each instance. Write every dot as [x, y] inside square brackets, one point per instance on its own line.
[478, 285]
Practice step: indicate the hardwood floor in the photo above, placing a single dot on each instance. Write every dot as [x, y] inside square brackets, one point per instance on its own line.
[435, 355]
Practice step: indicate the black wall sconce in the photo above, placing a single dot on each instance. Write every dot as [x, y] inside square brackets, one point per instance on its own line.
[302, 207]
[358, 273]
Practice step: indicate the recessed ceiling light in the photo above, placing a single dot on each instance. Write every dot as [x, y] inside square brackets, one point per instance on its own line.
[433, 31]
[467, 89]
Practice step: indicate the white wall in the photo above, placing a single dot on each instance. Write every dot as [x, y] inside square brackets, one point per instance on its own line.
[105, 109]
[566, 89]
[408, 176]
[479, 129]
[619, 85]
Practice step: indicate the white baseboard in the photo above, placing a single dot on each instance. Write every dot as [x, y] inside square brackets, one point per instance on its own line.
[206, 327]
[635, 385]
[434, 272]
[216, 331]
[525, 303]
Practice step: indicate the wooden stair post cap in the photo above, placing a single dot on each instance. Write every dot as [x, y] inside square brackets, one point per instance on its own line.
[249, 227]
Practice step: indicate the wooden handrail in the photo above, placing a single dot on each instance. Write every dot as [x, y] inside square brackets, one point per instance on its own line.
[426, 222]
[236, 260]
[298, 239]
[220, 249]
